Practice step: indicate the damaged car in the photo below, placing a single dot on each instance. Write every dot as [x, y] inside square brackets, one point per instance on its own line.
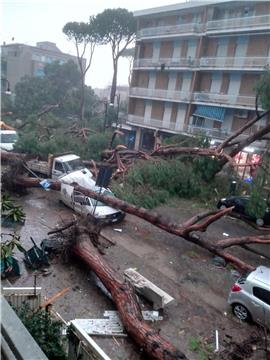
[85, 205]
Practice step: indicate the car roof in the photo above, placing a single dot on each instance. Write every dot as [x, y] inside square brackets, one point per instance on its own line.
[260, 275]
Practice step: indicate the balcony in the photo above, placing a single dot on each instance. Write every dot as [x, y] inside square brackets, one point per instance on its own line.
[210, 132]
[225, 99]
[164, 31]
[157, 124]
[169, 62]
[239, 63]
[249, 23]
[172, 95]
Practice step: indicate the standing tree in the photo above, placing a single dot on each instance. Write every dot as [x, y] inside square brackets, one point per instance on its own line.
[34, 94]
[129, 54]
[84, 36]
[116, 27]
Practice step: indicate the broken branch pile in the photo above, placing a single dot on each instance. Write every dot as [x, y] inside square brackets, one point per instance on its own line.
[84, 243]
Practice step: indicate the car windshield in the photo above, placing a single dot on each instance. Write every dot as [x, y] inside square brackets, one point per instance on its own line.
[8, 138]
[73, 165]
[100, 203]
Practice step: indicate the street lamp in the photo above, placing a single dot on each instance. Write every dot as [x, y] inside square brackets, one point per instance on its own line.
[109, 112]
[117, 96]
[8, 91]
[105, 102]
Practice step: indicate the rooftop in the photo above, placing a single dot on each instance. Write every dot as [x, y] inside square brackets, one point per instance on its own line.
[180, 6]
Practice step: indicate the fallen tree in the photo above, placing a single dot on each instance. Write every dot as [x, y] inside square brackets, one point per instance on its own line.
[124, 297]
[188, 230]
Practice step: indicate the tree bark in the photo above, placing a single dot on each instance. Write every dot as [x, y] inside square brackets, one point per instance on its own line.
[114, 80]
[124, 298]
[187, 230]
[82, 99]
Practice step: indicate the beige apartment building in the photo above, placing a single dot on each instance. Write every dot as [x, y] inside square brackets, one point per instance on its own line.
[19, 60]
[195, 67]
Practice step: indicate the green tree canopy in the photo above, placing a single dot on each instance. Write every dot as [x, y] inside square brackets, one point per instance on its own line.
[115, 27]
[32, 93]
[263, 90]
[59, 85]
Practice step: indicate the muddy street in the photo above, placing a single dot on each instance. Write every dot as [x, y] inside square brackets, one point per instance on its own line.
[183, 270]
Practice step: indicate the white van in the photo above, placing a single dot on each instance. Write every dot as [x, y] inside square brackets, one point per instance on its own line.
[85, 205]
[8, 139]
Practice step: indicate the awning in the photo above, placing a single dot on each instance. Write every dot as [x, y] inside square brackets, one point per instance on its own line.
[210, 112]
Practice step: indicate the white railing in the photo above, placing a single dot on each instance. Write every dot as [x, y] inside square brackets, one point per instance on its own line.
[135, 119]
[160, 94]
[170, 30]
[235, 62]
[196, 130]
[262, 21]
[172, 62]
[239, 100]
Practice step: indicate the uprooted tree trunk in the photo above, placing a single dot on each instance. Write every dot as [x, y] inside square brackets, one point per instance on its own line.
[188, 230]
[123, 295]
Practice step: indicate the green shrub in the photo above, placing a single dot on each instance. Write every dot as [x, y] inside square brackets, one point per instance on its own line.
[256, 206]
[149, 184]
[45, 330]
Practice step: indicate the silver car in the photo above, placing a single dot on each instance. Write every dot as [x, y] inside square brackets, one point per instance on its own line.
[250, 297]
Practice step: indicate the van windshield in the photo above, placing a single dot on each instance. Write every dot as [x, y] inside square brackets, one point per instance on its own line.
[100, 203]
[8, 138]
[73, 165]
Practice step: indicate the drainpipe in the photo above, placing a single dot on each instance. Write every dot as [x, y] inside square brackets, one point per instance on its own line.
[195, 73]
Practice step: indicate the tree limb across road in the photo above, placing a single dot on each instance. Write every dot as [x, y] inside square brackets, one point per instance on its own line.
[188, 230]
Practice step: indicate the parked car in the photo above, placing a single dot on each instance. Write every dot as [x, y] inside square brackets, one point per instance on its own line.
[250, 297]
[240, 206]
[85, 205]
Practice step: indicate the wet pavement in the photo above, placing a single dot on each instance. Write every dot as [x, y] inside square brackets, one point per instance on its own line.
[180, 268]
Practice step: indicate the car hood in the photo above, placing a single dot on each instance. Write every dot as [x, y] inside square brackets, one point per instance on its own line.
[104, 211]
[82, 177]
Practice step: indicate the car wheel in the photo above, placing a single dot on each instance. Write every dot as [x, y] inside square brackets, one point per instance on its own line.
[260, 222]
[222, 207]
[241, 312]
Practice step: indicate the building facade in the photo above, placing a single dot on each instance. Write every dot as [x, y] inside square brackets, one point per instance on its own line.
[195, 68]
[18, 60]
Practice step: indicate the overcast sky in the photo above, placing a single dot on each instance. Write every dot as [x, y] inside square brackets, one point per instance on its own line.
[31, 21]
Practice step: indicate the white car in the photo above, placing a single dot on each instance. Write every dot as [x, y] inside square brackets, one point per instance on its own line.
[85, 205]
[8, 139]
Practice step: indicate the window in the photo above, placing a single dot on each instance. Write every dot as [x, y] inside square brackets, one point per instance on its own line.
[262, 294]
[58, 166]
[80, 198]
[198, 121]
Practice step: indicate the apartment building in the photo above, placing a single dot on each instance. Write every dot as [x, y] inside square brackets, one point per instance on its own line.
[195, 68]
[18, 60]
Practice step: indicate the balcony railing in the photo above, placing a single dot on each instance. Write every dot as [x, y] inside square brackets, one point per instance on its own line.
[135, 119]
[224, 99]
[160, 94]
[172, 62]
[170, 30]
[250, 22]
[235, 62]
[215, 133]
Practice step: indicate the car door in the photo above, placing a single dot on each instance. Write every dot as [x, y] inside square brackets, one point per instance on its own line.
[240, 206]
[58, 170]
[78, 202]
[261, 306]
